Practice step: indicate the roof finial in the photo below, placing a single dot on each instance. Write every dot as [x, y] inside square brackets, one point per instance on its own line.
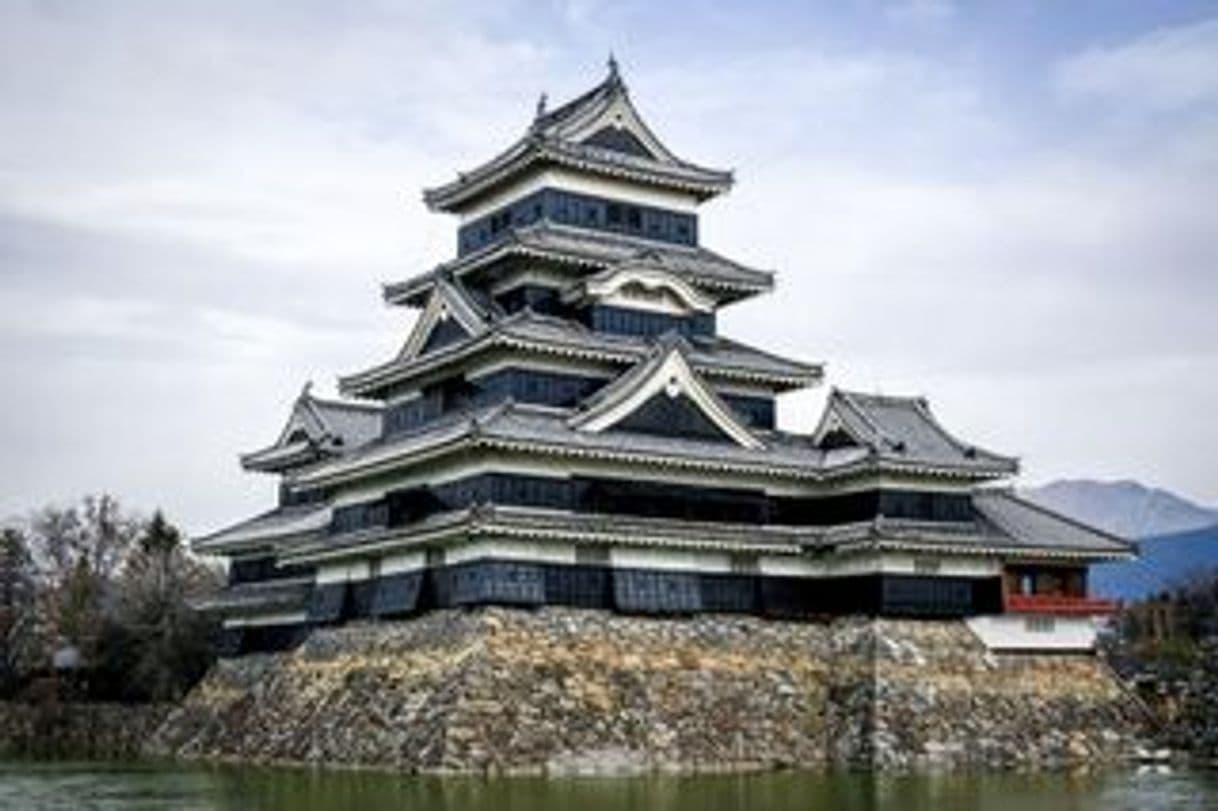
[613, 74]
[308, 388]
[541, 105]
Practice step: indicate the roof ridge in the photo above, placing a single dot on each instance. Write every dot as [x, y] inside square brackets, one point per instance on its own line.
[339, 402]
[847, 398]
[563, 111]
[894, 398]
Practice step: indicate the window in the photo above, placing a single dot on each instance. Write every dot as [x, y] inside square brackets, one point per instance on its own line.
[736, 593]
[254, 570]
[745, 564]
[652, 592]
[612, 496]
[927, 596]
[291, 495]
[926, 506]
[592, 555]
[357, 517]
[627, 321]
[1039, 625]
[570, 208]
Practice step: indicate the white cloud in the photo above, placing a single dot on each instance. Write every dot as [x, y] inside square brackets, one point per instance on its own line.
[920, 11]
[1167, 69]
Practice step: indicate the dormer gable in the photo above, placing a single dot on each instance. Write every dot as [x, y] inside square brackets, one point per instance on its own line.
[316, 428]
[901, 430]
[450, 316]
[663, 394]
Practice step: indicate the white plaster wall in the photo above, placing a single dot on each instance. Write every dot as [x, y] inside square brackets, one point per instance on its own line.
[583, 184]
[260, 620]
[789, 566]
[343, 572]
[510, 549]
[669, 560]
[400, 562]
[1014, 632]
[888, 563]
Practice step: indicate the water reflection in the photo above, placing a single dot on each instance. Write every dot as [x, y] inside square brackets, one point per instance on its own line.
[75, 787]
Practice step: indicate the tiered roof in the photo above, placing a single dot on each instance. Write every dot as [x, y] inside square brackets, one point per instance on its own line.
[277, 527]
[547, 431]
[899, 428]
[316, 429]
[862, 440]
[589, 252]
[599, 133]
[979, 536]
[532, 333]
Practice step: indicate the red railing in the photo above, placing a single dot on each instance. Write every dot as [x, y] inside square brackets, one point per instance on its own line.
[1058, 604]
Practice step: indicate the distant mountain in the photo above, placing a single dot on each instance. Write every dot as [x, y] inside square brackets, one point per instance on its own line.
[1164, 562]
[1177, 539]
[1125, 508]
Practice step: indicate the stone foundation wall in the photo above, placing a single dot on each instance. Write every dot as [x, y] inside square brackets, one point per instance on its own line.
[567, 690]
[941, 698]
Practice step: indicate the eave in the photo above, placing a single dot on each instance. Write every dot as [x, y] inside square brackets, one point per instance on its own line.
[373, 382]
[252, 598]
[270, 530]
[476, 433]
[277, 458]
[535, 151]
[412, 292]
[555, 525]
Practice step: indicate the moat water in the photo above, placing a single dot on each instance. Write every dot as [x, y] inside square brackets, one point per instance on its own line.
[141, 787]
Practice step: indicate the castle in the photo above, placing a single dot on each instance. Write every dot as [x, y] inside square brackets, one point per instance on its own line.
[564, 425]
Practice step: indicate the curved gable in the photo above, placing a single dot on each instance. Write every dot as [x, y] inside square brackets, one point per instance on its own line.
[664, 395]
[449, 317]
[646, 287]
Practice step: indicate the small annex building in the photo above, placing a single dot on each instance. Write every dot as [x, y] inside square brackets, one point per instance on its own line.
[565, 424]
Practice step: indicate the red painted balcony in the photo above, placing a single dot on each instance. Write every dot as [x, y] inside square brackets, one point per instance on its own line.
[1058, 604]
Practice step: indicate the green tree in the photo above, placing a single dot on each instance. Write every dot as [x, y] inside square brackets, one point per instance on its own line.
[154, 638]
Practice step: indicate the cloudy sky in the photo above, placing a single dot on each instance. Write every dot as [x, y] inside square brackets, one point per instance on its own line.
[1012, 210]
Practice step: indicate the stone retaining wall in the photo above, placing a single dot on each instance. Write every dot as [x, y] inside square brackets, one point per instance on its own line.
[568, 690]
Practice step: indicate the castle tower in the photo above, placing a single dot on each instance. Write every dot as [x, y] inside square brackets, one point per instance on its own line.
[564, 424]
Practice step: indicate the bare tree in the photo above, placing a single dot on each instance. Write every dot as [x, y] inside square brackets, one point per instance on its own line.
[116, 587]
[18, 642]
[77, 552]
